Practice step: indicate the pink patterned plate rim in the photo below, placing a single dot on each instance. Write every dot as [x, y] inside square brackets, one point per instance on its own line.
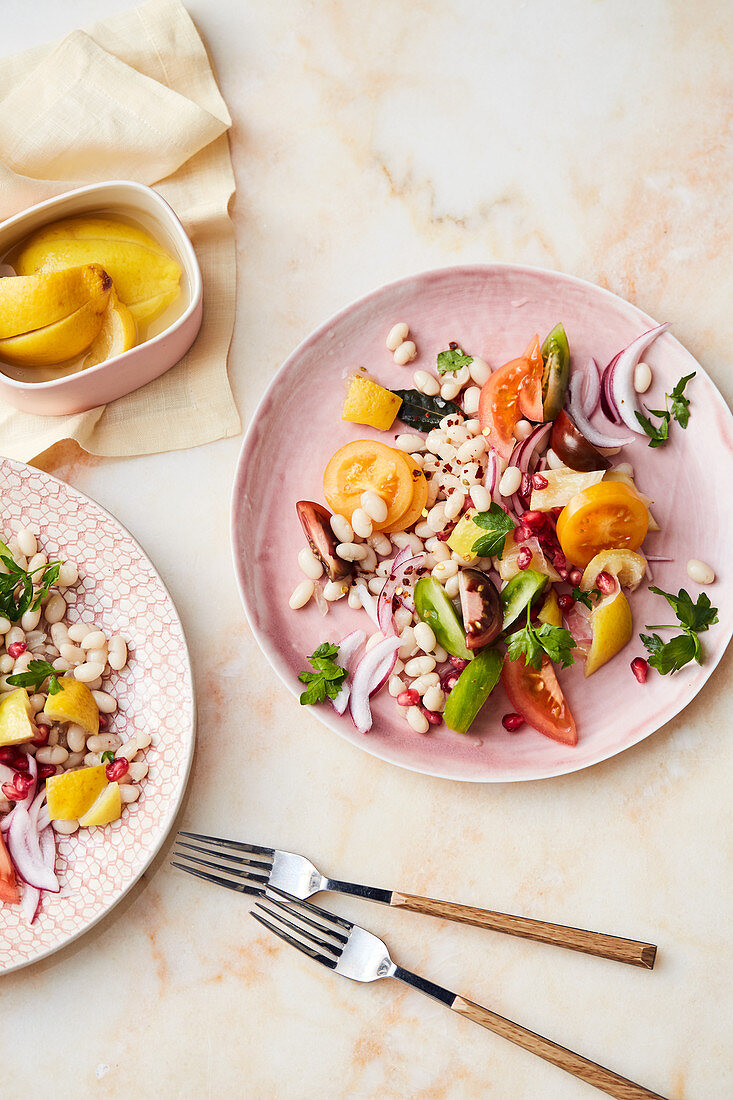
[491, 311]
[121, 590]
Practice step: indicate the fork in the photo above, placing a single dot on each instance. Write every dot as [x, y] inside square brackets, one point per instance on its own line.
[357, 954]
[251, 868]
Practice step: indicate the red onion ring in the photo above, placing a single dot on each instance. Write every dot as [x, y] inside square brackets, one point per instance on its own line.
[618, 379]
[371, 674]
[348, 649]
[396, 578]
[583, 424]
[591, 388]
[368, 600]
[522, 456]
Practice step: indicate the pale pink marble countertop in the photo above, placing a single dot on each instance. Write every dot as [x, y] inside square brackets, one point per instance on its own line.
[371, 142]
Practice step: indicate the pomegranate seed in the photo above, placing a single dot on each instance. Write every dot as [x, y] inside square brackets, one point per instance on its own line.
[562, 572]
[575, 576]
[41, 737]
[522, 533]
[103, 721]
[565, 602]
[118, 768]
[533, 520]
[559, 560]
[8, 753]
[15, 649]
[539, 482]
[18, 789]
[605, 583]
[432, 716]
[458, 662]
[640, 668]
[45, 771]
[524, 558]
[409, 698]
[512, 722]
[449, 682]
[10, 792]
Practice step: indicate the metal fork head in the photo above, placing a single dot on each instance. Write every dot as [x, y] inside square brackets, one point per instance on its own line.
[330, 940]
[249, 864]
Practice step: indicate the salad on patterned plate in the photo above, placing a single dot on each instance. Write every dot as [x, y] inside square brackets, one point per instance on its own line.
[493, 538]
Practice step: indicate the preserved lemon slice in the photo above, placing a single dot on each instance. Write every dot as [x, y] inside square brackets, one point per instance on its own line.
[30, 302]
[107, 807]
[73, 703]
[612, 628]
[71, 794]
[118, 333]
[15, 722]
[626, 566]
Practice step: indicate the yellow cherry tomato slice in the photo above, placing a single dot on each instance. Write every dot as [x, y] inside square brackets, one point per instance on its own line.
[607, 516]
[367, 464]
[417, 504]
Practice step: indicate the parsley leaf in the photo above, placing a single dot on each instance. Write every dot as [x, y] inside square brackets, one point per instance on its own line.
[658, 434]
[326, 681]
[107, 757]
[588, 598]
[452, 360]
[680, 411]
[533, 644]
[16, 586]
[694, 618]
[37, 672]
[680, 404]
[497, 524]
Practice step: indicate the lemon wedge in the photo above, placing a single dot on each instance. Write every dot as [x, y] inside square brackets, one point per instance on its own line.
[612, 628]
[31, 302]
[107, 807]
[15, 718]
[71, 794]
[550, 611]
[117, 334]
[73, 703]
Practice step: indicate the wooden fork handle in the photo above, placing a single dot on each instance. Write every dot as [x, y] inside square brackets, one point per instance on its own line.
[604, 1079]
[577, 939]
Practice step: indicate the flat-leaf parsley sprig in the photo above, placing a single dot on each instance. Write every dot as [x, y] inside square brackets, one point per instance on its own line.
[533, 643]
[694, 618]
[35, 674]
[17, 585]
[679, 411]
[326, 681]
[497, 524]
[453, 359]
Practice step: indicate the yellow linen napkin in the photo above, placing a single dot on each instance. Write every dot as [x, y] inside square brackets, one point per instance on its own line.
[133, 97]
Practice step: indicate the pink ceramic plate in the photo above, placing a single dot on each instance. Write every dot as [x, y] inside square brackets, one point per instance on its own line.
[492, 312]
[122, 592]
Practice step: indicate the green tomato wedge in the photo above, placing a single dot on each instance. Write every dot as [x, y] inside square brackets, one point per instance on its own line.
[472, 689]
[435, 609]
[556, 373]
[519, 592]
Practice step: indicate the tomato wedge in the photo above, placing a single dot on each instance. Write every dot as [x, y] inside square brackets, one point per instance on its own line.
[536, 695]
[8, 886]
[512, 392]
[606, 516]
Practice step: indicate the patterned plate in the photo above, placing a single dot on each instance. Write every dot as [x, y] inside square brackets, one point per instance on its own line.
[120, 590]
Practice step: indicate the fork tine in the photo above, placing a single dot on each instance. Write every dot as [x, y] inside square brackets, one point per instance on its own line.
[240, 887]
[293, 911]
[223, 855]
[238, 845]
[233, 871]
[330, 963]
[333, 950]
[314, 910]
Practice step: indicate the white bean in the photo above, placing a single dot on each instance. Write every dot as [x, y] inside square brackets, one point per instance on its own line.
[30, 620]
[79, 631]
[380, 543]
[375, 585]
[461, 376]
[74, 654]
[335, 590]
[59, 633]
[450, 390]
[374, 639]
[117, 652]
[423, 531]
[418, 459]
[65, 828]
[4, 624]
[301, 594]
[68, 575]
[417, 720]
[104, 742]
[138, 771]
[354, 599]
[129, 793]
[374, 506]
[397, 335]
[37, 703]
[419, 666]
[480, 371]
[480, 498]
[76, 738]
[402, 618]
[405, 353]
[401, 539]
[37, 562]
[436, 518]
[440, 654]
[438, 549]
[408, 647]
[51, 754]
[511, 479]
[106, 703]
[55, 609]
[27, 543]
[409, 443]
[95, 639]
[424, 683]
[425, 637]
[351, 551]
[143, 740]
[454, 504]
[97, 656]
[434, 698]
[472, 448]
[61, 664]
[93, 759]
[445, 569]
[553, 461]
[426, 383]
[14, 635]
[700, 572]
[309, 564]
[22, 662]
[451, 587]
[362, 523]
[74, 760]
[642, 377]
[395, 686]
[471, 399]
[522, 429]
[433, 490]
[6, 664]
[129, 750]
[88, 672]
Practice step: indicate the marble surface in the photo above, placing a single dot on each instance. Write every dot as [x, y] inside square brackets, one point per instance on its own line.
[370, 142]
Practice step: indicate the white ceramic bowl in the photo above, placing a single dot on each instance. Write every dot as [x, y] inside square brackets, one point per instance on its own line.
[123, 373]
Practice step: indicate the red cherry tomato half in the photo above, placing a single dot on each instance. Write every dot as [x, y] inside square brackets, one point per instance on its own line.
[536, 695]
[512, 392]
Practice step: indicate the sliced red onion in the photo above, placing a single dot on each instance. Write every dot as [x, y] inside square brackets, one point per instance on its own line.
[579, 626]
[397, 579]
[368, 600]
[7, 775]
[656, 558]
[321, 602]
[523, 455]
[349, 648]
[620, 374]
[583, 424]
[591, 388]
[492, 477]
[25, 852]
[371, 674]
[30, 903]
